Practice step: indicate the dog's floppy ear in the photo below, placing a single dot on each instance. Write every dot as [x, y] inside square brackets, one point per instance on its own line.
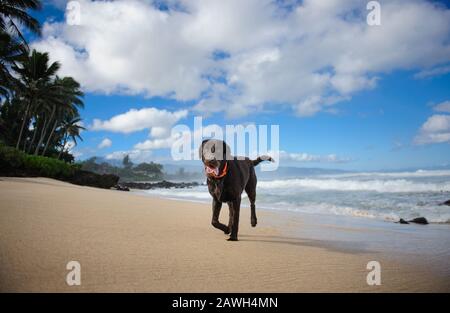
[200, 149]
[226, 151]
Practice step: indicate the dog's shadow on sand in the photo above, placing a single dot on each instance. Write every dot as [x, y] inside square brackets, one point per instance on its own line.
[351, 247]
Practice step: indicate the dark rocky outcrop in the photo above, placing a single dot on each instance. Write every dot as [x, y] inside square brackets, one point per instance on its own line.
[445, 203]
[417, 220]
[121, 188]
[161, 184]
[85, 178]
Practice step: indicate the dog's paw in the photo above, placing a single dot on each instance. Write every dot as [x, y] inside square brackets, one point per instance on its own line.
[227, 232]
[232, 239]
[254, 222]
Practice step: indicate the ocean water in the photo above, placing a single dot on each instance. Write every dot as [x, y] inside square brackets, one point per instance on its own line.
[377, 195]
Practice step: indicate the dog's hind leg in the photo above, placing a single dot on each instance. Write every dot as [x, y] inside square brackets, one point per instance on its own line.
[216, 207]
[230, 215]
[250, 190]
[234, 206]
[253, 219]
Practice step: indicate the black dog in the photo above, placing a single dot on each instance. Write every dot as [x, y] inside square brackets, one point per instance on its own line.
[227, 178]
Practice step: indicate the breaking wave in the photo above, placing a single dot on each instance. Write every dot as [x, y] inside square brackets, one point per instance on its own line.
[386, 196]
[378, 185]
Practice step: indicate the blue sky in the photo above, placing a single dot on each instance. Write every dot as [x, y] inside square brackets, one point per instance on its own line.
[370, 107]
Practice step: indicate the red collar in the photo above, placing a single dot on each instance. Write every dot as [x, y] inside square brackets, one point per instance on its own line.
[224, 172]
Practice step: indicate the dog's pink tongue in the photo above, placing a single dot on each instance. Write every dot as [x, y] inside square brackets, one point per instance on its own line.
[214, 171]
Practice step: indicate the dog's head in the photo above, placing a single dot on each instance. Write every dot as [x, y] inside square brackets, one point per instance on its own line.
[214, 154]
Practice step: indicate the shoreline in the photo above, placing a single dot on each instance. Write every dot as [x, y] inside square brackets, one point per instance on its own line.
[265, 207]
[130, 242]
[348, 232]
[343, 198]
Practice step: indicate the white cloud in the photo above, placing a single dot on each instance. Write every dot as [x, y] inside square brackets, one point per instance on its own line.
[164, 142]
[309, 106]
[218, 132]
[435, 130]
[159, 132]
[137, 156]
[71, 148]
[306, 157]
[159, 143]
[159, 122]
[136, 120]
[106, 143]
[128, 47]
[318, 50]
[76, 154]
[437, 123]
[429, 73]
[442, 107]
[69, 145]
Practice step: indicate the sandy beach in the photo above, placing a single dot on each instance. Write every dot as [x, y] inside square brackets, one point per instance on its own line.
[129, 242]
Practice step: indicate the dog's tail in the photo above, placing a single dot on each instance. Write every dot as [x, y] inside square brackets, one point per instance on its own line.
[262, 158]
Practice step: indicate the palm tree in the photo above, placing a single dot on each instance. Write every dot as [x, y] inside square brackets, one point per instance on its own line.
[71, 96]
[35, 75]
[43, 114]
[11, 117]
[29, 86]
[11, 52]
[35, 115]
[71, 129]
[14, 12]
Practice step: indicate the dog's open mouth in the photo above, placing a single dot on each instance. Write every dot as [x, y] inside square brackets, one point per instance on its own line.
[212, 170]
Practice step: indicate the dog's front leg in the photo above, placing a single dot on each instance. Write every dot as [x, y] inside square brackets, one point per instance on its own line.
[216, 206]
[235, 207]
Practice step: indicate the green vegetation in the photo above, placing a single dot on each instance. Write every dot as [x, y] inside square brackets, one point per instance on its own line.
[14, 162]
[38, 109]
[129, 172]
[17, 163]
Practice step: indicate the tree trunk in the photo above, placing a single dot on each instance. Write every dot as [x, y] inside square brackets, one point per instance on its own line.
[41, 139]
[63, 147]
[25, 118]
[44, 130]
[50, 137]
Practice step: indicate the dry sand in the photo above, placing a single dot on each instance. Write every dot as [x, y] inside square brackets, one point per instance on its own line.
[127, 242]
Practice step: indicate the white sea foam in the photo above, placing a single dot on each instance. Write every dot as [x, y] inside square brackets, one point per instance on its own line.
[418, 173]
[386, 196]
[378, 185]
[433, 214]
[185, 193]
